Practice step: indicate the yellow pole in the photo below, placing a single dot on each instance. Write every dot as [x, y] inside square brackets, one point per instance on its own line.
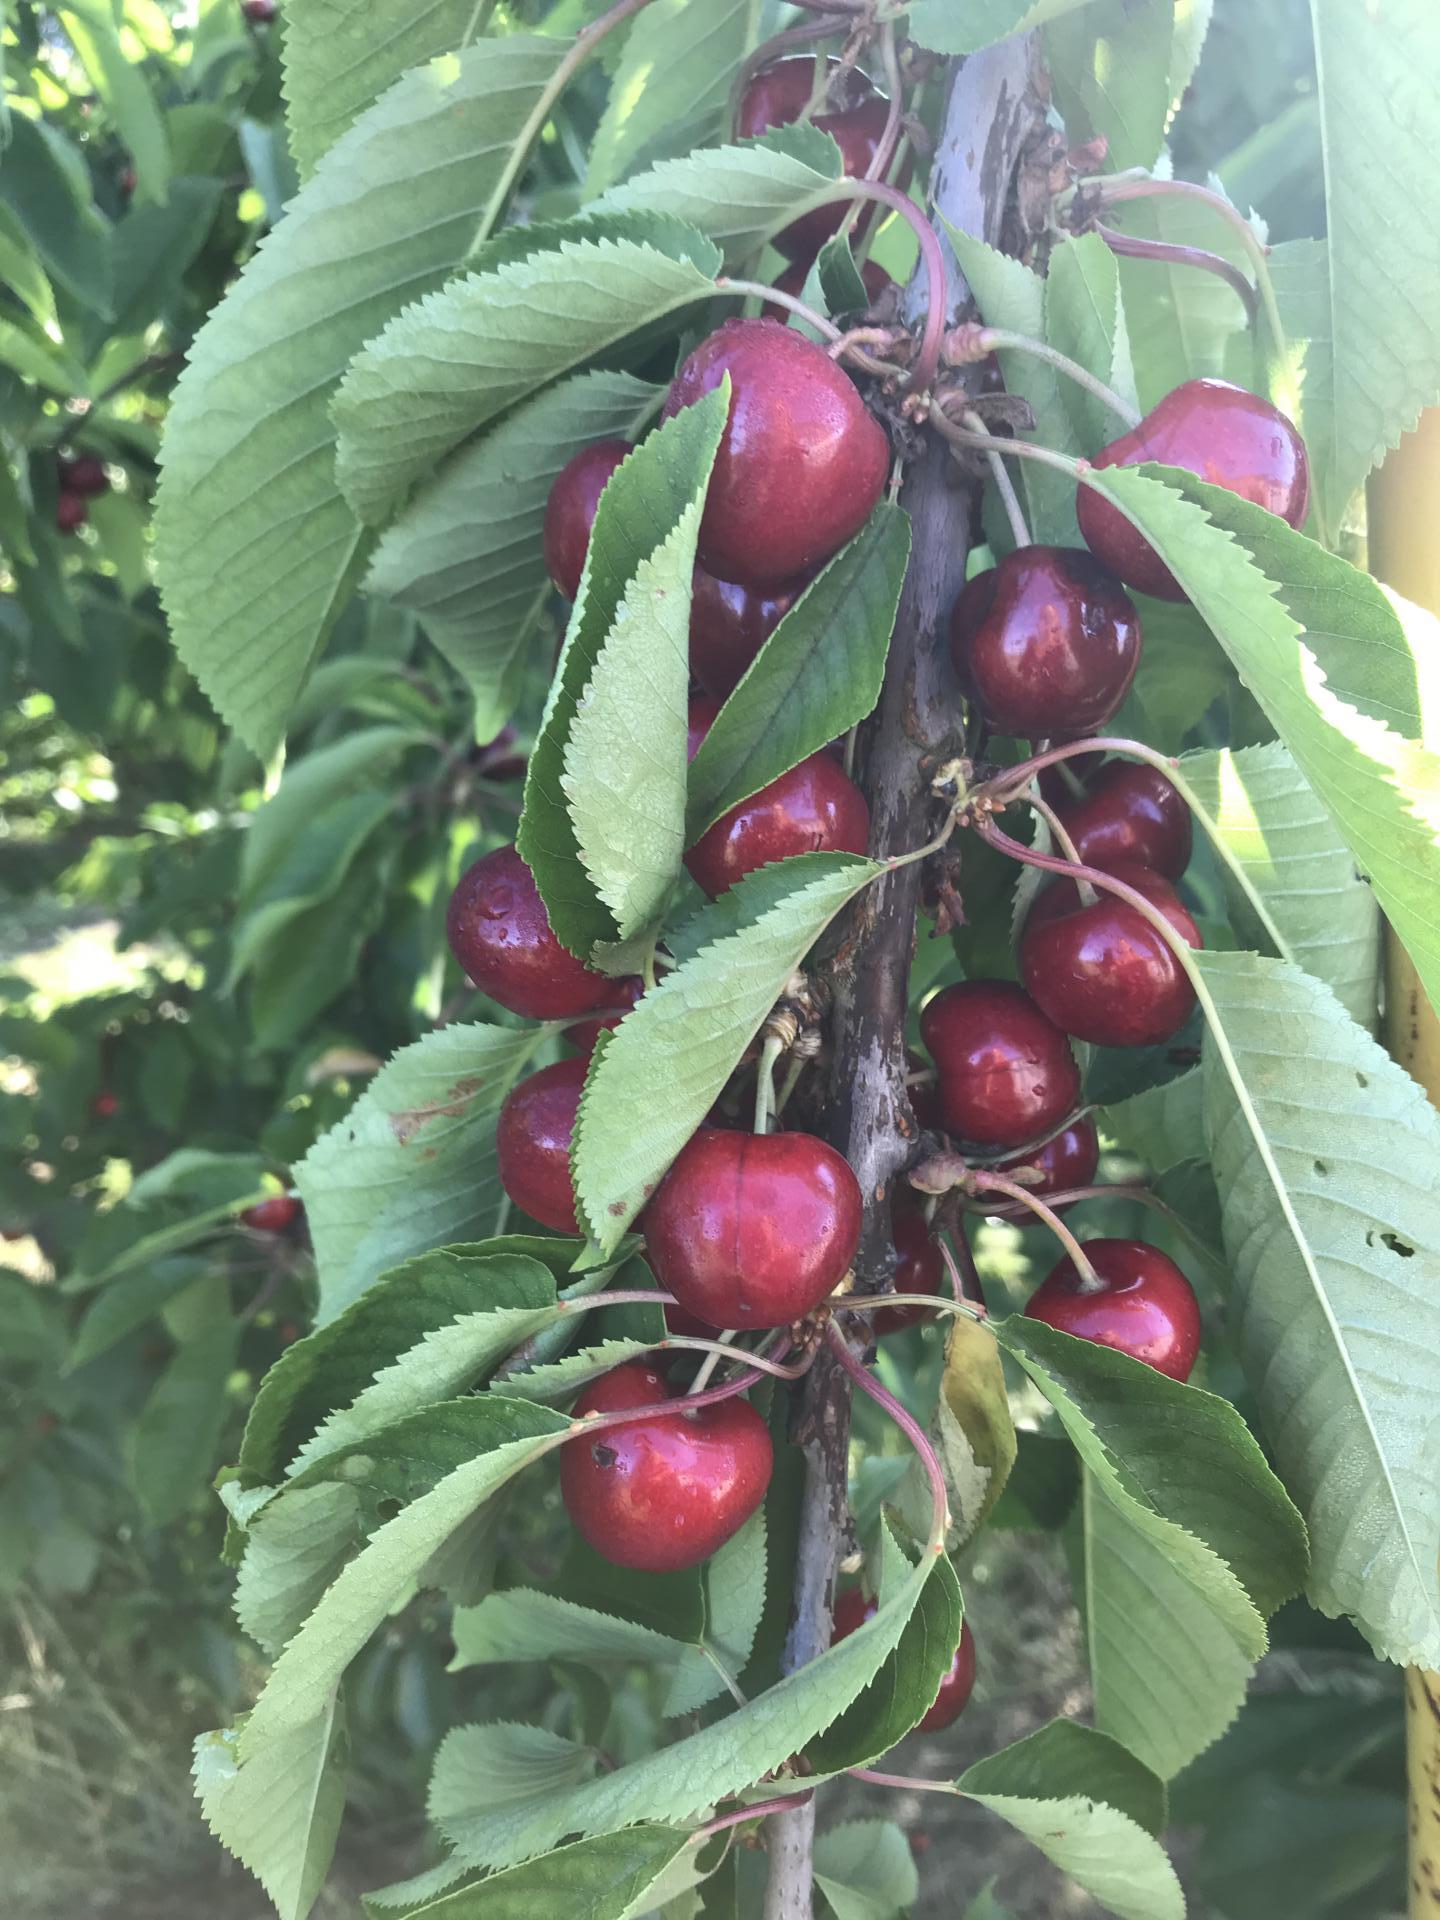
[1404, 512]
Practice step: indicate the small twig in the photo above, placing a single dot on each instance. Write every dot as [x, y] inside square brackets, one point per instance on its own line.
[756, 1811]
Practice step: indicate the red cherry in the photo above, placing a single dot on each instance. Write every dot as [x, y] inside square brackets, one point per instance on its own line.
[729, 623]
[499, 931]
[626, 993]
[801, 461]
[271, 1216]
[924, 1094]
[776, 97]
[873, 276]
[258, 12]
[1005, 1070]
[1145, 1306]
[919, 1266]
[105, 1106]
[1048, 640]
[1128, 815]
[1067, 1160]
[753, 1230]
[129, 180]
[664, 1492]
[1217, 431]
[570, 510]
[688, 1326]
[852, 1610]
[497, 759]
[1102, 972]
[71, 512]
[532, 1143]
[83, 474]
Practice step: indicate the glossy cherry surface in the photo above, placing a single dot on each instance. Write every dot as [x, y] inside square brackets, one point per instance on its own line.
[1219, 432]
[499, 932]
[665, 1492]
[71, 511]
[873, 278]
[852, 1610]
[83, 473]
[1048, 641]
[1102, 972]
[272, 1216]
[532, 1143]
[753, 1230]
[1144, 1307]
[1129, 815]
[1005, 1070]
[623, 996]
[801, 461]
[919, 1267]
[570, 510]
[776, 97]
[729, 623]
[1069, 1159]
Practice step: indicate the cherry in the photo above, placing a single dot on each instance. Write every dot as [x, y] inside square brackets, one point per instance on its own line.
[664, 1492]
[625, 994]
[258, 12]
[273, 1215]
[1048, 640]
[1005, 1069]
[71, 512]
[1128, 815]
[924, 1094]
[498, 759]
[1219, 432]
[919, 1266]
[873, 276]
[729, 623]
[1144, 1305]
[129, 180]
[1068, 1159]
[776, 97]
[753, 1230]
[532, 1143]
[801, 462]
[105, 1106]
[1102, 972]
[83, 474]
[814, 808]
[852, 1610]
[570, 510]
[499, 932]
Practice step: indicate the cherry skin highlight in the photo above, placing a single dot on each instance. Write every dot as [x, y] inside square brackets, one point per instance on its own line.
[1005, 1069]
[1048, 640]
[273, 1215]
[729, 624]
[1144, 1307]
[570, 510]
[776, 97]
[1218, 432]
[1102, 972]
[919, 1265]
[753, 1230]
[499, 932]
[624, 995]
[1128, 815]
[801, 462]
[532, 1143]
[852, 1610]
[664, 1492]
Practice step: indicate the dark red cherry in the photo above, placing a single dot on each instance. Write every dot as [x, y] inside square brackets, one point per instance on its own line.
[1102, 972]
[1144, 1305]
[919, 1267]
[665, 1492]
[924, 1094]
[1221, 433]
[532, 1143]
[776, 97]
[873, 276]
[1048, 640]
[852, 1610]
[498, 759]
[83, 474]
[1128, 815]
[570, 510]
[499, 931]
[71, 511]
[625, 994]
[128, 181]
[1069, 1159]
[729, 623]
[1005, 1070]
[801, 461]
[258, 12]
[753, 1230]
[272, 1216]
[105, 1106]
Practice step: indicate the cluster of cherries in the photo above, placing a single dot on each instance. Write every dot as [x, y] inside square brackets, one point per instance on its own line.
[81, 477]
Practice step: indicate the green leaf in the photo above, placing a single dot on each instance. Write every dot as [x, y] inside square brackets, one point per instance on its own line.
[1085, 318]
[293, 1550]
[123, 87]
[125, 1305]
[1379, 121]
[612, 1877]
[21, 270]
[466, 555]
[1111, 70]
[38, 360]
[177, 1433]
[412, 1165]
[294, 980]
[154, 248]
[734, 1602]
[817, 675]
[312, 870]
[42, 184]
[624, 760]
[257, 551]
[563, 1378]
[866, 1870]
[522, 1625]
[1182, 320]
[657, 1075]
[671, 90]
[944, 28]
[1290, 850]
[737, 196]
[1325, 1154]
[281, 1822]
[1182, 673]
[341, 55]
[456, 361]
[1164, 1125]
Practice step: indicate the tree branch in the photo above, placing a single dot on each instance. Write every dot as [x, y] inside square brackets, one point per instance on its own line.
[994, 115]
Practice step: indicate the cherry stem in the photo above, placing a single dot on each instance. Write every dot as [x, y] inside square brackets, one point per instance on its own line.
[957, 1279]
[782, 1803]
[927, 358]
[923, 853]
[1062, 840]
[901, 1780]
[719, 1349]
[911, 1428]
[970, 1290]
[775, 48]
[765, 1081]
[788, 1085]
[960, 436]
[933, 1302]
[587, 1423]
[989, 339]
[986, 1182]
[727, 283]
[1176, 255]
[621, 1297]
[1004, 486]
[890, 133]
